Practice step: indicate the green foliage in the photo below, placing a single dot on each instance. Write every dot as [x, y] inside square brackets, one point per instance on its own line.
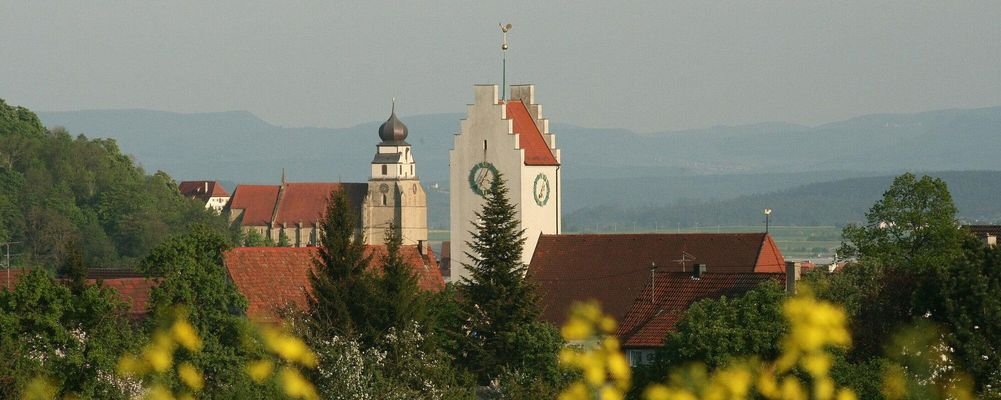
[399, 300]
[283, 240]
[189, 270]
[253, 238]
[913, 224]
[56, 189]
[72, 337]
[962, 297]
[496, 299]
[341, 282]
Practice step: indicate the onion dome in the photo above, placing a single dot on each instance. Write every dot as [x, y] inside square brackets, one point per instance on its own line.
[393, 131]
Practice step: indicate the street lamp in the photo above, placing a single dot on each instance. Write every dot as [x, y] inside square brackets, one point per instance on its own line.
[768, 211]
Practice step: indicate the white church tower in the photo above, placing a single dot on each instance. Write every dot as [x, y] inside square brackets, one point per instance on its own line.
[394, 191]
[511, 137]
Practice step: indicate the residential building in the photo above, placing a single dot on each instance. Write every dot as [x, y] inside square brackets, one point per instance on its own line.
[211, 193]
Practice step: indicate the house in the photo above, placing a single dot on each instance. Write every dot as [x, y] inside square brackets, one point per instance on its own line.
[130, 287]
[987, 233]
[272, 278]
[211, 193]
[392, 195]
[660, 305]
[615, 268]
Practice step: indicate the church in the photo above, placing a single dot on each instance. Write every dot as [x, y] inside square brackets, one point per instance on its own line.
[294, 210]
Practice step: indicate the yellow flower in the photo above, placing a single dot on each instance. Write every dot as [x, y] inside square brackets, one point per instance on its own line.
[817, 364]
[576, 329]
[576, 391]
[40, 389]
[190, 376]
[610, 393]
[159, 392]
[296, 386]
[158, 357]
[823, 388]
[618, 366]
[183, 333]
[129, 365]
[289, 348]
[846, 394]
[260, 370]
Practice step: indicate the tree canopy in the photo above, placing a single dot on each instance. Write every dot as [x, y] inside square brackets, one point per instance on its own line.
[56, 189]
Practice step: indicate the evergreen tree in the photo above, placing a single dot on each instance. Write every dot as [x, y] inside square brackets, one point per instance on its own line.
[496, 298]
[401, 298]
[283, 240]
[341, 283]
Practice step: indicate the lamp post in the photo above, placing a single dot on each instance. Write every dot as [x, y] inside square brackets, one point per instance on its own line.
[768, 211]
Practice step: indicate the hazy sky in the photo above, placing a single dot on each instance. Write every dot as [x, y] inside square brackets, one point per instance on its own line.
[643, 65]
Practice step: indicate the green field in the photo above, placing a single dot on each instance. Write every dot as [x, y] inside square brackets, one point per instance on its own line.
[796, 242]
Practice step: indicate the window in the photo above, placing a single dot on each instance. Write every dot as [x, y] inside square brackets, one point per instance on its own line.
[385, 170]
[484, 145]
[383, 199]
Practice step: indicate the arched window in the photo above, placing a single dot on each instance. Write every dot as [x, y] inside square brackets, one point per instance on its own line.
[384, 200]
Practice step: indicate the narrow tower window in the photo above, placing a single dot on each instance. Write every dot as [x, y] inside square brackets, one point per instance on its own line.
[484, 145]
[383, 199]
[384, 169]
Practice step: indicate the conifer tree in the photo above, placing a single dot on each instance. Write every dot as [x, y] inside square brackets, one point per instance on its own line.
[401, 299]
[341, 284]
[496, 297]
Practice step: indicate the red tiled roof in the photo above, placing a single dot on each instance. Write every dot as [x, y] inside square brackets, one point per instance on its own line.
[9, 277]
[202, 189]
[257, 201]
[274, 277]
[613, 268]
[307, 202]
[646, 323]
[537, 152]
[132, 291]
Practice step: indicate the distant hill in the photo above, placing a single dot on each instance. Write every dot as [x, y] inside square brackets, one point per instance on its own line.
[601, 167]
[975, 193]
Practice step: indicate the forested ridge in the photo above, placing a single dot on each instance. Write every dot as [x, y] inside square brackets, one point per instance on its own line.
[60, 193]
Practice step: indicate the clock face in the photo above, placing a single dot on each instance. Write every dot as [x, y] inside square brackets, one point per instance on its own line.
[541, 189]
[481, 176]
[384, 188]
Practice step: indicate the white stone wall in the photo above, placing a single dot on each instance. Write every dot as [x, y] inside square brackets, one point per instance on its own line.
[486, 120]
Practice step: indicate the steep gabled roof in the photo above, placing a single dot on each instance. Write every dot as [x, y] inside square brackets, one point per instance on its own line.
[307, 202]
[202, 189]
[275, 277]
[257, 201]
[649, 319]
[537, 151]
[614, 268]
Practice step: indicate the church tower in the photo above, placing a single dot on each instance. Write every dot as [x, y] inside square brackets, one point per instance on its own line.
[394, 194]
[511, 137]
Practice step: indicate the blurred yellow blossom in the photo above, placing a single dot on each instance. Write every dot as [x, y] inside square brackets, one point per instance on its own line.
[296, 386]
[184, 334]
[190, 376]
[260, 370]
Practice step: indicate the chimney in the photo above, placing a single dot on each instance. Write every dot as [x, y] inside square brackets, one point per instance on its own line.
[206, 190]
[699, 270]
[653, 282]
[792, 275]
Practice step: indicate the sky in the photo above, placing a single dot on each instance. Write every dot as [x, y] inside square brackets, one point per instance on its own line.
[641, 65]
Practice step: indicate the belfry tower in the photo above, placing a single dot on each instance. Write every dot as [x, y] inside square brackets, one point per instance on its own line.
[394, 194]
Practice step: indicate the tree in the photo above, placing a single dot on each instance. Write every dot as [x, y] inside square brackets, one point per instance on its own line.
[496, 298]
[70, 337]
[913, 224]
[341, 281]
[190, 274]
[400, 299]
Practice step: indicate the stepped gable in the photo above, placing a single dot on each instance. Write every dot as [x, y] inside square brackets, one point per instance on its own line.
[537, 152]
[306, 202]
[202, 190]
[614, 268]
[646, 323]
[272, 278]
[257, 201]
